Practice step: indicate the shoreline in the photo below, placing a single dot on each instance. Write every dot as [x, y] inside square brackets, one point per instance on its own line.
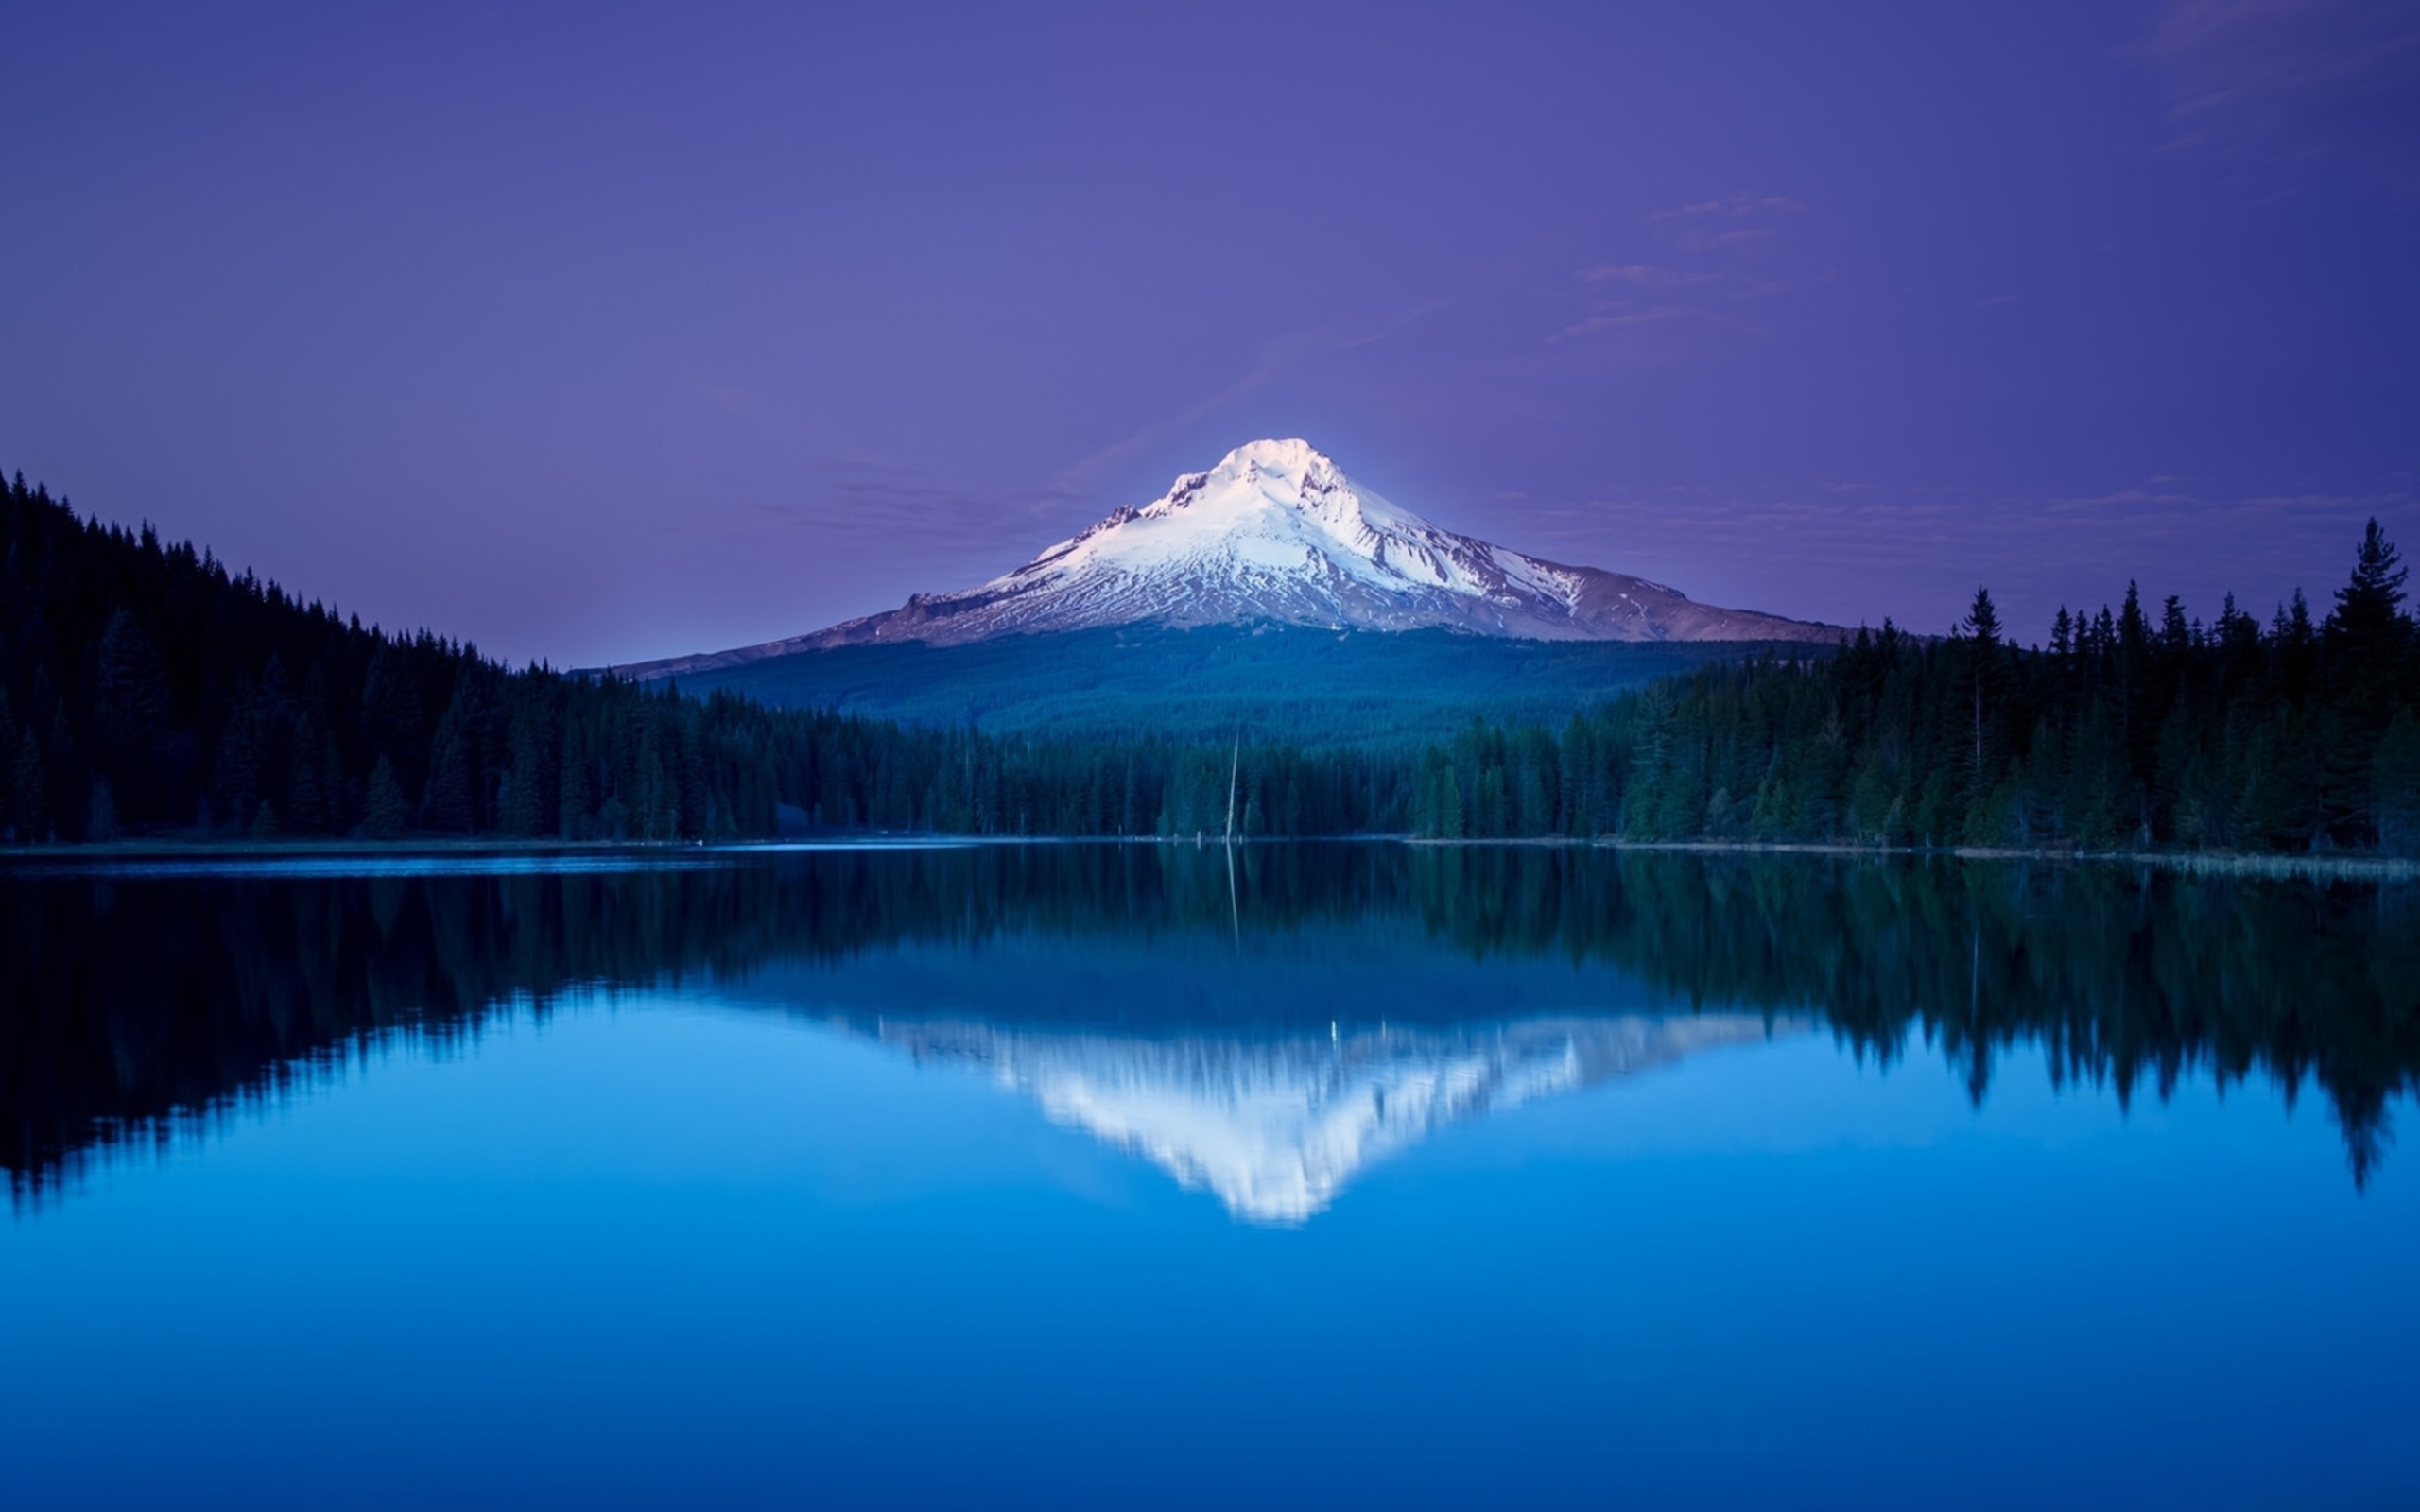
[2210, 863]
[441, 849]
[2201, 863]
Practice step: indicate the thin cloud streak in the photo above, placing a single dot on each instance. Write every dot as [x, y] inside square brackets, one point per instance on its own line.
[2293, 77]
[1723, 235]
[1814, 555]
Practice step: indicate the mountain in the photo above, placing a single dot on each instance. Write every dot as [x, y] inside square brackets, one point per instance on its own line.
[1276, 533]
[1307, 685]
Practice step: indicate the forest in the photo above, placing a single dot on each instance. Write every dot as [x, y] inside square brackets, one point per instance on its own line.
[146, 691]
[2125, 732]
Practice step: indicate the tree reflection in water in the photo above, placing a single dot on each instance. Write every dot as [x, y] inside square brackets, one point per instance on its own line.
[136, 1007]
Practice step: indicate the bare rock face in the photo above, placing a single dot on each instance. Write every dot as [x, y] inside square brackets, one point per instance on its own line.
[1277, 532]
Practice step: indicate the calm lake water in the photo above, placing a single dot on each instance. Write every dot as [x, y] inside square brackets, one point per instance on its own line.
[1118, 1176]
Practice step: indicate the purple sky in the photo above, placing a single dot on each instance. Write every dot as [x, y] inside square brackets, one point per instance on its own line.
[596, 335]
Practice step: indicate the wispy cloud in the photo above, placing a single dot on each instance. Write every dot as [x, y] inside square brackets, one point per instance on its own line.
[848, 493]
[2294, 75]
[1721, 246]
[1647, 273]
[1851, 551]
[1728, 222]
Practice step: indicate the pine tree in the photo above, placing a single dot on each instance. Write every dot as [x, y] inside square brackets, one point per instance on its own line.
[572, 787]
[1982, 622]
[101, 824]
[658, 810]
[525, 797]
[130, 712]
[32, 793]
[450, 803]
[1981, 637]
[2368, 615]
[2394, 806]
[391, 713]
[235, 775]
[384, 810]
[8, 762]
[306, 800]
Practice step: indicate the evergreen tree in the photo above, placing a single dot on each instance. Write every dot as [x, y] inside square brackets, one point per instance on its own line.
[384, 810]
[525, 809]
[130, 709]
[1982, 623]
[100, 825]
[448, 802]
[306, 805]
[31, 814]
[2368, 618]
[2396, 786]
[572, 794]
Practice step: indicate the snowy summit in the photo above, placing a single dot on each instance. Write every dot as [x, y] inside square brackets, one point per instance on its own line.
[1277, 532]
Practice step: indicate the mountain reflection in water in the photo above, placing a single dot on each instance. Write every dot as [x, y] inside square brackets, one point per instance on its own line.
[1276, 1127]
[1263, 1039]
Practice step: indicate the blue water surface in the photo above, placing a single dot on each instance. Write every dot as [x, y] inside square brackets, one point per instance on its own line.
[738, 1240]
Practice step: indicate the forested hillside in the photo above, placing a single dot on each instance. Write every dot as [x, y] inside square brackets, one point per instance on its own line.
[146, 690]
[2125, 730]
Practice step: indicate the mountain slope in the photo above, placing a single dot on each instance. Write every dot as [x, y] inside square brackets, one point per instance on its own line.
[1277, 533]
[1315, 687]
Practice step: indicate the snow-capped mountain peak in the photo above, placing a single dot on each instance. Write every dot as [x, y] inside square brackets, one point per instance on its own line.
[1276, 526]
[1277, 532]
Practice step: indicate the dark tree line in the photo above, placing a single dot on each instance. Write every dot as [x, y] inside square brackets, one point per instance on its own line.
[2127, 730]
[146, 690]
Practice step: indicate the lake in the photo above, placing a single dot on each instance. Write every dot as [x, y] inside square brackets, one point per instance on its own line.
[1069, 1176]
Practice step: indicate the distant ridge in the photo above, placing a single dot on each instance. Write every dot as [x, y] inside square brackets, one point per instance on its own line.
[1310, 685]
[1276, 533]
